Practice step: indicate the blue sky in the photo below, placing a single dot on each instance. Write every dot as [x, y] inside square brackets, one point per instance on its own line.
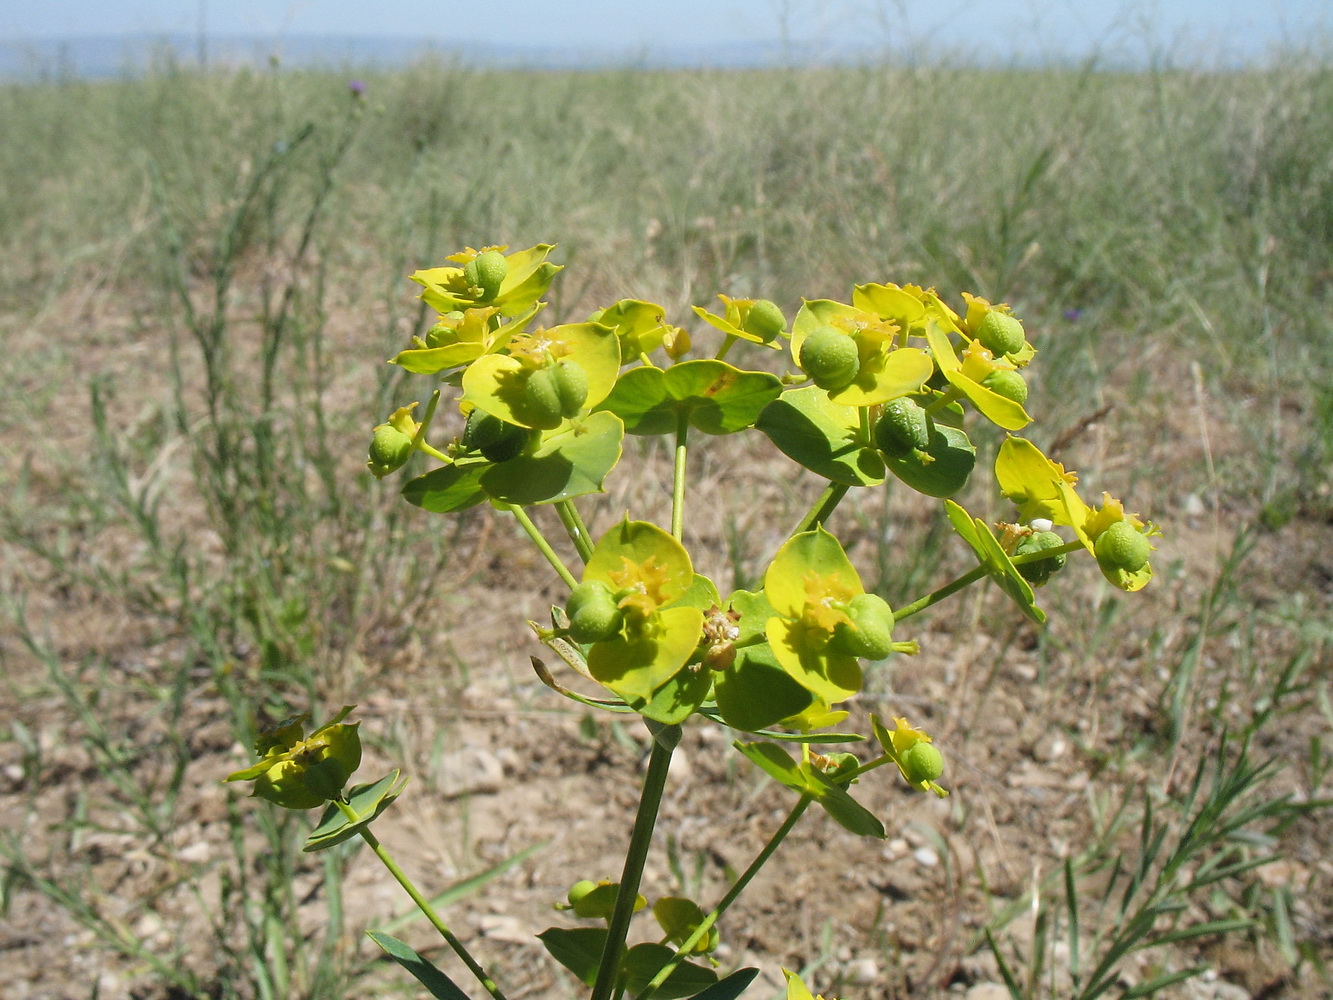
[996, 28]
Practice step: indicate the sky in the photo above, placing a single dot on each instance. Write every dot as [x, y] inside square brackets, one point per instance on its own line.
[985, 28]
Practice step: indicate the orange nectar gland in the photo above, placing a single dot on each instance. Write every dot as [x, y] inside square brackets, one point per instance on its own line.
[825, 599]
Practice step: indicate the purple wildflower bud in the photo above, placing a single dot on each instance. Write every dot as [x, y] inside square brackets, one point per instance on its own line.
[357, 87]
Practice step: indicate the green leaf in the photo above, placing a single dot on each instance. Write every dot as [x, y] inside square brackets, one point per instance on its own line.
[755, 691]
[578, 949]
[720, 399]
[440, 986]
[569, 462]
[944, 466]
[991, 555]
[680, 697]
[823, 436]
[452, 488]
[839, 804]
[367, 801]
[635, 665]
[716, 397]
[777, 764]
[640, 399]
[643, 961]
[730, 987]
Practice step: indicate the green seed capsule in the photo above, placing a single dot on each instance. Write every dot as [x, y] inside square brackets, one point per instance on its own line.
[1039, 572]
[902, 426]
[922, 762]
[390, 449]
[764, 320]
[592, 611]
[1000, 333]
[486, 271]
[540, 405]
[497, 440]
[1007, 383]
[1120, 547]
[571, 385]
[870, 636]
[830, 357]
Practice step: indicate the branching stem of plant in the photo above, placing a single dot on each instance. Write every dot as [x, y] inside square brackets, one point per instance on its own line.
[422, 903]
[737, 888]
[972, 576]
[823, 507]
[539, 540]
[578, 531]
[678, 478]
[654, 782]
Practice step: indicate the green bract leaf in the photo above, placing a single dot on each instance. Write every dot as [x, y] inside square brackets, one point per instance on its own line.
[367, 801]
[810, 571]
[729, 987]
[578, 949]
[998, 409]
[885, 375]
[639, 326]
[839, 804]
[455, 342]
[679, 918]
[1033, 482]
[568, 462]
[830, 675]
[756, 692]
[440, 986]
[823, 436]
[716, 398]
[776, 763]
[636, 663]
[942, 468]
[644, 961]
[654, 560]
[452, 488]
[989, 553]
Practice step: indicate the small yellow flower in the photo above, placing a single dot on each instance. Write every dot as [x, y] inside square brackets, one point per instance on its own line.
[301, 772]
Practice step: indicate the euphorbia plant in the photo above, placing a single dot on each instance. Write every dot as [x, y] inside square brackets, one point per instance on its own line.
[886, 384]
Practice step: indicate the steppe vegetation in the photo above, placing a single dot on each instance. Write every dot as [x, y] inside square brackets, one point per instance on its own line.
[200, 279]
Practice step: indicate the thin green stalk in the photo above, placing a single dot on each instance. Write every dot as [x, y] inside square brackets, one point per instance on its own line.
[731, 338]
[737, 888]
[823, 507]
[950, 395]
[678, 477]
[422, 903]
[654, 782]
[576, 529]
[949, 589]
[543, 546]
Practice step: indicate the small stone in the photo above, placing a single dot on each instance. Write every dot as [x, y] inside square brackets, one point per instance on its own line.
[926, 857]
[862, 971]
[1223, 990]
[987, 991]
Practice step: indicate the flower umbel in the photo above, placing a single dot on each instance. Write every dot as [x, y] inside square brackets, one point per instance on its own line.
[297, 771]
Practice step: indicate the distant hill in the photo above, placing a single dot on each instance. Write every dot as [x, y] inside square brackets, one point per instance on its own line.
[101, 56]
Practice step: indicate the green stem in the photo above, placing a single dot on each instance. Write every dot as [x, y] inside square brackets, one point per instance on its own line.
[823, 507]
[665, 739]
[949, 589]
[1031, 557]
[731, 338]
[422, 903]
[577, 530]
[678, 477]
[737, 888]
[948, 396]
[539, 540]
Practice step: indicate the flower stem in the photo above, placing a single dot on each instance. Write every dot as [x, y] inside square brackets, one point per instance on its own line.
[948, 396]
[949, 589]
[823, 507]
[731, 338]
[737, 888]
[665, 739]
[539, 540]
[678, 476]
[422, 903]
[578, 531]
